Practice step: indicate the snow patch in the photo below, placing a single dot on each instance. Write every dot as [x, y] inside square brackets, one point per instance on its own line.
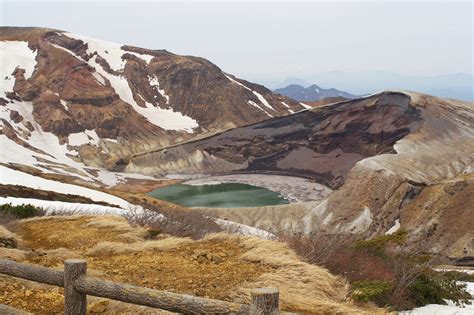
[111, 52]
[98, 77]
[85, 137]
[258, 95]
[154, 83]
[287, 106]
[242, 229]
[14, 54]
[450, 309]
[305, 105]
[167, 119]
[64, 103]
[12, 177]
[257, 106]
[394, 228]
[52, 207]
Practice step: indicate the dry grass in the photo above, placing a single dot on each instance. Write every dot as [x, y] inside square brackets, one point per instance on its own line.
[303, 287]
[7, 238]
[117, 248]
[58, 231]
[218, 266]
[13, 254]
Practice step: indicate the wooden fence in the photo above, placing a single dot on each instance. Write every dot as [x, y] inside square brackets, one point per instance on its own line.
[77, 285]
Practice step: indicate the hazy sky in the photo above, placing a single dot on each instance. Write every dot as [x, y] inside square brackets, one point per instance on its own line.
[275, 38]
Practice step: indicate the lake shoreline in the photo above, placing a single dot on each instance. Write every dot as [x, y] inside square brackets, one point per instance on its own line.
[294, 189]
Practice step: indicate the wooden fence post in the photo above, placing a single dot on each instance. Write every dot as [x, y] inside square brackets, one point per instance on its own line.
[264, 301]
[75, 303]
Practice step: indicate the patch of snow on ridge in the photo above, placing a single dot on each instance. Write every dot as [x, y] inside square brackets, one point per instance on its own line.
[12, 177]
[394, 228]
[167, 119]
[242, 229]
[14, 54]
[258, 95]
[85, 137]
[111, 52]
[154, 83]
[287, 106]
[98, 77]
[52, 207]
[305, 105]
[256, 105]
[64, 103]
[163, 118]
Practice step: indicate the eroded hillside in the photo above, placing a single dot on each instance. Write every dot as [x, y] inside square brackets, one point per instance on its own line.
[66, 99]
[396, 160]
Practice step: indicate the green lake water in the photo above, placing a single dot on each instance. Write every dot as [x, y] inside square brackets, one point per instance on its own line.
[227, 195]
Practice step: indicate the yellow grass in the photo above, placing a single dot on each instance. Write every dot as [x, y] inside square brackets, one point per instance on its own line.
[119, 252]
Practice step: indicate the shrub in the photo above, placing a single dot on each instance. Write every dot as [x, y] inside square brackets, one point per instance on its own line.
[180, 223]
[152, 233]
[21, 211]
[383, 270]
[378, 245]
[435, 288]
[375, 291]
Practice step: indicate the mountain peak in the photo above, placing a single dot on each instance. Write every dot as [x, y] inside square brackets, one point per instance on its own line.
[312, 93]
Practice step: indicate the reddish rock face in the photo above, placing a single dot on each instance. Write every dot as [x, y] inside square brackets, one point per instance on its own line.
[82, 84]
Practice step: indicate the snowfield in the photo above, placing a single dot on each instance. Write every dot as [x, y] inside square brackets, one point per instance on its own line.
[14, 54]
[52, 207]
[12, 177]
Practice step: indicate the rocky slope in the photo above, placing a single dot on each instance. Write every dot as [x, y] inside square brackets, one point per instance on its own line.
[311, 93]
[395, 160]
[66, 98]
[323, 143]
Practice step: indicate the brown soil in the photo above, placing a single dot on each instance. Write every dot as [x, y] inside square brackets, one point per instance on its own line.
[20, 296]
[210, 269]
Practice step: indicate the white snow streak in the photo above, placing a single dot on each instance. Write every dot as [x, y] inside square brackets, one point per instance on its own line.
[305, 105]
[394, 228]
[287, 106]
[242, 229]
[12, 177]
[52, 207]
[258, 95]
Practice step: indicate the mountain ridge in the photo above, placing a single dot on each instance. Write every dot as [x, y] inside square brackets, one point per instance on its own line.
[105, 101]
[312, 93]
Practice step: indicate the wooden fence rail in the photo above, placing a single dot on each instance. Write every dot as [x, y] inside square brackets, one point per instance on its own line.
[77, 285]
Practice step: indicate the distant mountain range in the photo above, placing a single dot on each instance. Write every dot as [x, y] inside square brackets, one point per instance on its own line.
[454, 85]
[311, 93]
